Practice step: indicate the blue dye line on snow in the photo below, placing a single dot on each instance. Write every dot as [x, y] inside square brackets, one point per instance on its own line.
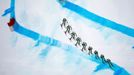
[45, 52]
[35, 36]
[53, 42]
[98, 19]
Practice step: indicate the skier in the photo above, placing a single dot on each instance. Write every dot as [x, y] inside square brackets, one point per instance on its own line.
[109, 63]
[78, 40]
[64, 22]
[68, 29]
[84, 44]
[103, 58]
[90, 50]
[73, 36]
[96, 54]
[62, 1]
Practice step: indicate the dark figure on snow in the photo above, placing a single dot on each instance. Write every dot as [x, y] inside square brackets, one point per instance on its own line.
[84, 44]
[78, 41]
[110, 63]
[102, 58]
[68, 29]
[96, 54]
[90, 50]
[11, 23]
[73, 36]
[62, 1]
[64, 22]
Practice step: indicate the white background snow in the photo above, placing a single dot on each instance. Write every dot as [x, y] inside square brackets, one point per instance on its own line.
[19, 57]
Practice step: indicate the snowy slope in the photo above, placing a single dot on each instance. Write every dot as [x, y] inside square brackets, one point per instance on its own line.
[20, 57]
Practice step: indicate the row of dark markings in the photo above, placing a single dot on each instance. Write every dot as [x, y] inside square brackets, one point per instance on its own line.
[84, 45]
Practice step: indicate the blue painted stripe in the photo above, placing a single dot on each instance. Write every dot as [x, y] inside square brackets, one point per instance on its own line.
[35, 36]
[26, 32]
[98, 19]
[53, 42]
